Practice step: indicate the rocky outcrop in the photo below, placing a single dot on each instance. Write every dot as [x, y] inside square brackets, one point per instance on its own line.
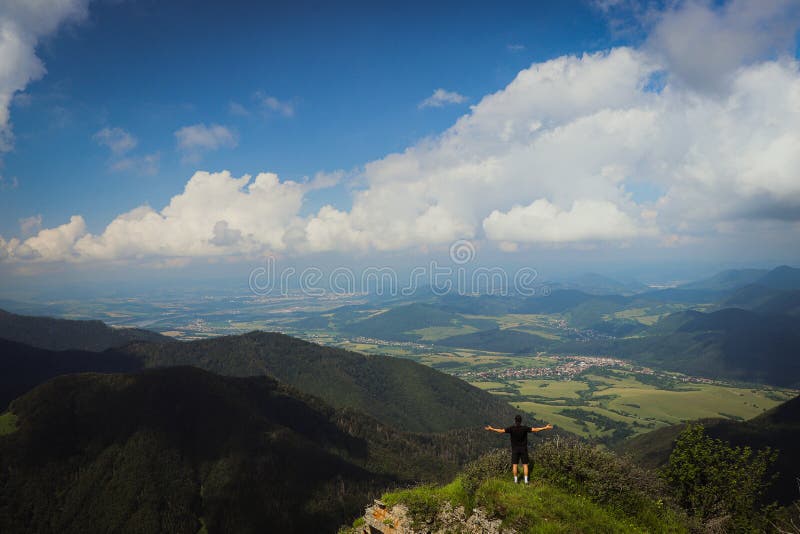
[380, 519]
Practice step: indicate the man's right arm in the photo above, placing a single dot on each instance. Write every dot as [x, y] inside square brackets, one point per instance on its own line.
[490, 428]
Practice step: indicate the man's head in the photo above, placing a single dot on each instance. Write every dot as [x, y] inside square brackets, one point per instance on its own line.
[518, 419]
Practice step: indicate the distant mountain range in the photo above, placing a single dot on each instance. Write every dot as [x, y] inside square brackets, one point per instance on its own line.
[783, 277]
[599, 284]
[731, 343]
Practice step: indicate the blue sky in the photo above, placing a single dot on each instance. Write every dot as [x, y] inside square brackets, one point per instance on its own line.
[643, 157]
[354, 76]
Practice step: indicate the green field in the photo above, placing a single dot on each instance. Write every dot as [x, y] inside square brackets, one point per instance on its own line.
[613, 405]
[601, 403]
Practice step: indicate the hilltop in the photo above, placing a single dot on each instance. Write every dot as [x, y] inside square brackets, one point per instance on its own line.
[574, 488]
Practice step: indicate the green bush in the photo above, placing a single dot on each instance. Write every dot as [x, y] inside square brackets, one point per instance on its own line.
[606, 478]
[719, 484]
[492, 464]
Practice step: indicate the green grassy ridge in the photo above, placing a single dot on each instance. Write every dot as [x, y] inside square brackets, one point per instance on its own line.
[576, 487]
[540, 507]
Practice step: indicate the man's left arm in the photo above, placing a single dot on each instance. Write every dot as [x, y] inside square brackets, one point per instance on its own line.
[539, 429]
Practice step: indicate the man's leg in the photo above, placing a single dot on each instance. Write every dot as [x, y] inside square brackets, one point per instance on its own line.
[525, 472]
[514, 470]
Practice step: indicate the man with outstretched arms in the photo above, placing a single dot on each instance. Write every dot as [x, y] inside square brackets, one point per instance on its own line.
[519, 444]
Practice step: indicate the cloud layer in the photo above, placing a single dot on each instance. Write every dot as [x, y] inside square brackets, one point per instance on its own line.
[611, 148]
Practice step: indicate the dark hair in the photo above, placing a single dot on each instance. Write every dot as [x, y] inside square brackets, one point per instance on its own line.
[517, 418]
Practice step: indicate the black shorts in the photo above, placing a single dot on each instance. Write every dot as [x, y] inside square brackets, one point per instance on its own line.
[519, 455]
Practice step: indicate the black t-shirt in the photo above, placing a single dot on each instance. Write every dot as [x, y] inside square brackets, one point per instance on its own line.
[519, 435]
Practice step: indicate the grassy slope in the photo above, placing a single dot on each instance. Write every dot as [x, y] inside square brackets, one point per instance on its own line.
[538, 508]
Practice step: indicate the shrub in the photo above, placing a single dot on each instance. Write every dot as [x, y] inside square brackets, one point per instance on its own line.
[492, 464]
[603, 475]
[606, 478]
[717, 483]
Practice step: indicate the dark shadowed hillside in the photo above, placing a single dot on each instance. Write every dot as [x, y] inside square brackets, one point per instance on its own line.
[401, 393]
[22, 367]
[398, 323]
[64, 334]
[174, 450]
[512, 341]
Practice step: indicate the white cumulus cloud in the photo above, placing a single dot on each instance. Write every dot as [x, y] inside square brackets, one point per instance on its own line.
[541, 221]
[51, 244]
[216, 214]
[115, 139]
[441, 97]
[271, 104]
[198, 138]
